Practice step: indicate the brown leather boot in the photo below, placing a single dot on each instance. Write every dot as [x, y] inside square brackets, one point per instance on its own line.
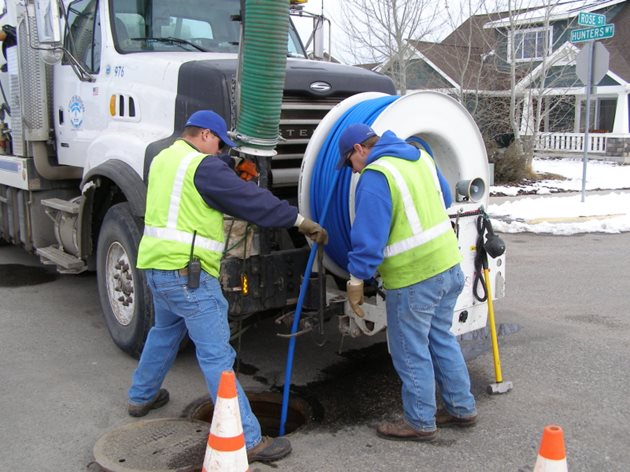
[401, 431]
[159, 401]
[269, 450]
[444, 418]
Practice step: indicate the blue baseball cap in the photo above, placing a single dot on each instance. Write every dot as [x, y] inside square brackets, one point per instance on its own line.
[207, 119]
[356, 133]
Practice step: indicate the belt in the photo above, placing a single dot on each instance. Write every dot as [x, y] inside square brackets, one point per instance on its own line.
[183, 271]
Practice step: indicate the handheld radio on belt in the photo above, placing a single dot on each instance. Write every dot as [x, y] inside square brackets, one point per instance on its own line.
[194, 266]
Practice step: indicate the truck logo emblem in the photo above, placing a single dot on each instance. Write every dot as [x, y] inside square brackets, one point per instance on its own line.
[320, 87]
[76, 110]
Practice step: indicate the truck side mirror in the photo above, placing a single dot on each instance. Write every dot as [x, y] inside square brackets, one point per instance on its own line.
[48, 25]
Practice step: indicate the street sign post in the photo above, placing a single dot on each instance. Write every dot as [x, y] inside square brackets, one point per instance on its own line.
[591, 19]
[591, 64]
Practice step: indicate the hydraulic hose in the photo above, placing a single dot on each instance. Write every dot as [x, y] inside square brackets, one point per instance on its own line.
[329, 184]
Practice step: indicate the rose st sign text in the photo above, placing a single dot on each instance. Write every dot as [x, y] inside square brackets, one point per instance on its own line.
[591, 19]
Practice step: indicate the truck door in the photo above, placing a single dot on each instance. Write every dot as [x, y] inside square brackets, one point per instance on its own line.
[80, 106]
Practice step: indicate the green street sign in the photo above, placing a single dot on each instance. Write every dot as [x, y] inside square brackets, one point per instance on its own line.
[591, 19]
[591, 34]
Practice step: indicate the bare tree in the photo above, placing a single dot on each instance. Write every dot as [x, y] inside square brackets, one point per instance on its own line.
[529, 103]
[467, 60]
[379, 29]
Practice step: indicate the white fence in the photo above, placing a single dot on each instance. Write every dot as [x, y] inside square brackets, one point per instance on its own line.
[570, 142]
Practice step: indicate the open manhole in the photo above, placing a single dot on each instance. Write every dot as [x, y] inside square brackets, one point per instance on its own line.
[267, 406]
[159, 445]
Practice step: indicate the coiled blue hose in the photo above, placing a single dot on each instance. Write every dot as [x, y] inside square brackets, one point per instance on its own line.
[327, 185]
[336, 220]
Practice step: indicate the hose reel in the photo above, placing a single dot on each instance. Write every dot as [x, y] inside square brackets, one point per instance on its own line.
[439, 121]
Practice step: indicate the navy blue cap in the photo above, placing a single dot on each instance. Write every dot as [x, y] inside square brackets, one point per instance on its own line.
[207, 119]
[356, 133]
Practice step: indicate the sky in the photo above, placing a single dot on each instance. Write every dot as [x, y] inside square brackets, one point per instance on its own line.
[555, 206]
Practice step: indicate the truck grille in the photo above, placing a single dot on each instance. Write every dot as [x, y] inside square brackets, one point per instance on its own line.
[298, 119]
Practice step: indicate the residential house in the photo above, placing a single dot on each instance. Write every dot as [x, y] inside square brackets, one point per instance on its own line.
[529, 52]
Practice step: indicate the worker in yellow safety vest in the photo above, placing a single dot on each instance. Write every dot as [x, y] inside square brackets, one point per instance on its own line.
[402, 231]
[190, 188]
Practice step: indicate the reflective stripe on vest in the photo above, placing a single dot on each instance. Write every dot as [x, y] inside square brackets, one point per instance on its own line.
[176, 235]
[419, 236]
[178, 185]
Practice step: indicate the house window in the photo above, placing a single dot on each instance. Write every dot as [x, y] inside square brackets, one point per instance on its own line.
[531, 44]
[602, 115]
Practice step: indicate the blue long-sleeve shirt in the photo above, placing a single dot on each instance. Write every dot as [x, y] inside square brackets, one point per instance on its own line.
[373, 208]
[223, 190]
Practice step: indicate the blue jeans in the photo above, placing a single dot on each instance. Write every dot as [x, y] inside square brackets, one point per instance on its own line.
[424, 351]
[203, 312]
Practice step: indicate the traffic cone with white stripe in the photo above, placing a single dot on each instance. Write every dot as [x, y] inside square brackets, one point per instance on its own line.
[551, 455]
[226, 450]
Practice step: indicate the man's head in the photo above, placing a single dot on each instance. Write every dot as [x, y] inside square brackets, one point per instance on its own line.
[356, 140]
[207, 131]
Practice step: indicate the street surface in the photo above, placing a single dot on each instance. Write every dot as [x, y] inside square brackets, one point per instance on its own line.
[565, 347]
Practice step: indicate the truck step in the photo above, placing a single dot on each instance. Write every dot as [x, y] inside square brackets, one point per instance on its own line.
[66, 263]
[62, 205]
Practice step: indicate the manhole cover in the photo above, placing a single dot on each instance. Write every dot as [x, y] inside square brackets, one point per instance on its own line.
[160, 445]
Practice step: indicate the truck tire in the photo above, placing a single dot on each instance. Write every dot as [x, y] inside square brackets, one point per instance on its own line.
[123, 292]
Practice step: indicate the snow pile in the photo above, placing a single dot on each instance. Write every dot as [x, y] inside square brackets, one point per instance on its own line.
[566, 214]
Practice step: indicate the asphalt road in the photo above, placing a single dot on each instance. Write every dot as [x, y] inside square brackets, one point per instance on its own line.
[567, 352]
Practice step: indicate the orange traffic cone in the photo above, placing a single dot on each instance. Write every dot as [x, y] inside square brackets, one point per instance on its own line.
[551, 455]
[226, 443]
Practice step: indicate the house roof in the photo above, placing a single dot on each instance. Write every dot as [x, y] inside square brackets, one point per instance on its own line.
[461, 64]
[466, 56]
[618, 45]
[560, 11]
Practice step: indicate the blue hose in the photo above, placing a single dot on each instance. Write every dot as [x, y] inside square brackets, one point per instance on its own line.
[335, 184]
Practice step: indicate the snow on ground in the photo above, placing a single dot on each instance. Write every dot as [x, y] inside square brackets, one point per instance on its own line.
[555, 206]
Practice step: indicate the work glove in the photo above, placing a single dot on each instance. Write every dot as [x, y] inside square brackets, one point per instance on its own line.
[247, 170]
[354, 292]
[313, 231]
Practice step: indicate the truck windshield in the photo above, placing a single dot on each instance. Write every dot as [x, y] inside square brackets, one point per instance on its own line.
[182, 25]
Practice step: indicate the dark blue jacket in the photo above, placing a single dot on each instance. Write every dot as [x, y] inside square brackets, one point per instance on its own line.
[373, 207]
[226, 192]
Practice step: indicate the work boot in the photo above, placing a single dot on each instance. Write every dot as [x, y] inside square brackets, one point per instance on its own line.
[401, 431]
[269, 450]
[444, 418]
[160, 400]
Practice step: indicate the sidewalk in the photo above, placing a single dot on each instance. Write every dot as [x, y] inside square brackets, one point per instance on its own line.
[554, 206]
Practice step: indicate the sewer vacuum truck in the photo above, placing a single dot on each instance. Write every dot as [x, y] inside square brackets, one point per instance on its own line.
[94, 89]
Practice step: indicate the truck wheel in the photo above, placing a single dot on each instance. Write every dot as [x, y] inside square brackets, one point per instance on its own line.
[123, 291]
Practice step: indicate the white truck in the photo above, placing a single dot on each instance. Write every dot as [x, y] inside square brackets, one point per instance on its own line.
[93, 90]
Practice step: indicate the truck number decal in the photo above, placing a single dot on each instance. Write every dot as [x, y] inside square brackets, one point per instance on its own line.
[119, 71]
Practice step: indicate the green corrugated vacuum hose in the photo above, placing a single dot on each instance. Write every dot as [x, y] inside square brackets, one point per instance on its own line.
[262, 70]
